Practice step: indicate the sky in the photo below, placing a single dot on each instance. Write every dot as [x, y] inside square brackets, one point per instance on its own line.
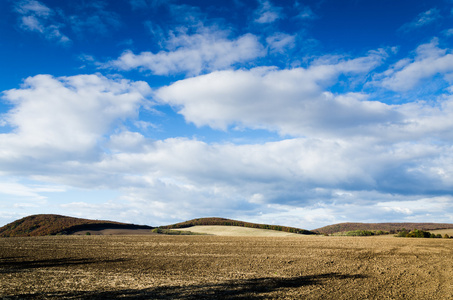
[297, 113]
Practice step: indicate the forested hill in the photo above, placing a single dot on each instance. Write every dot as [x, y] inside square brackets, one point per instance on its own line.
[390, 227]
[229, 222]
[46, 224]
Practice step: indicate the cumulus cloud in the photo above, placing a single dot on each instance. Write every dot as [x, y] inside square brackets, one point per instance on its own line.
[174, 179]
[429, 60]
[37, 17]
[293, 102]
[179, 179]
[66, 115]
[190, 178]
[193, 54]
[297, 102]
[348, 153]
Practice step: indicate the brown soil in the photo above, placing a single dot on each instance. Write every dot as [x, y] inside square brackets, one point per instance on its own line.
[207, 267]
[116, 232]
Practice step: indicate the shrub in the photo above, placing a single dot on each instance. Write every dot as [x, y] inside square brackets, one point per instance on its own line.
[417, 234]
[402, 233]
[360, 233]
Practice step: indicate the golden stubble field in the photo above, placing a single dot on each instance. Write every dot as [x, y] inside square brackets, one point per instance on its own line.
[217, 267]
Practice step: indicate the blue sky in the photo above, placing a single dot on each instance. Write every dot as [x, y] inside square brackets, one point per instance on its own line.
[299, 113]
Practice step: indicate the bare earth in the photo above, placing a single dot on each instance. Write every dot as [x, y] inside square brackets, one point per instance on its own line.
[207, 267]
[116, 232]
[235, 231]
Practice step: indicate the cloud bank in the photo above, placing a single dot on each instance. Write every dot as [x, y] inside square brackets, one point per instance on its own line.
[255, 114]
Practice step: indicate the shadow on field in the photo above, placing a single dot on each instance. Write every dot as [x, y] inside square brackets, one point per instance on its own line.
[234, 289]
[13, 265]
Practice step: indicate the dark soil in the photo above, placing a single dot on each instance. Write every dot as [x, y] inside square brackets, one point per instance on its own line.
[213, 267]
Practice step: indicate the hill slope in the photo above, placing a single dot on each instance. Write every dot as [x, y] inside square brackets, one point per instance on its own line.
[220, 230]
[229, 222]
[391, 227]
[40, 225]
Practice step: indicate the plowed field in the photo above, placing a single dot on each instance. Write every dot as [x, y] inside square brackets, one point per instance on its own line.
[215, 267]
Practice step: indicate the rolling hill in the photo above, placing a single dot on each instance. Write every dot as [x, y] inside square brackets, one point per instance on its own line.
[49, 224]
[46, 224]
[220, 230]
[390, 227]
[229, 222]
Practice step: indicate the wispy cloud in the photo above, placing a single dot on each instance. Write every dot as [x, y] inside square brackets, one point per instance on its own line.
[143, 4]
[281, 42]
[37, 17]
[94, 17]
[267, 13]
[304, 12]
[422, 19]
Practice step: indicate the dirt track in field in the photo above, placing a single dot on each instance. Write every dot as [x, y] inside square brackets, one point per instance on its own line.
[214, 267]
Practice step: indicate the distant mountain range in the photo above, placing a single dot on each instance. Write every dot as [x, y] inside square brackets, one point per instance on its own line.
[47, 224]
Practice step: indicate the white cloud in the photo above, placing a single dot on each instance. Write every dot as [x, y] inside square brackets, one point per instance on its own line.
[17, 189]
[305, 12]
[31, 23]
[294, 172]
[427, 17]
[35, 16]
[33, 7]
[267, 13]
[127, 142]
[280, 42]
[66, 115]
[193, 54]
[333, 179]
[177, 179]
[429, 61]
[293, 102]
[422, 19]
[189, 178]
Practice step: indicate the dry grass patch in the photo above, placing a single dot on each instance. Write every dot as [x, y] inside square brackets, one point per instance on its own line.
[235, 231]
[443, 232]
